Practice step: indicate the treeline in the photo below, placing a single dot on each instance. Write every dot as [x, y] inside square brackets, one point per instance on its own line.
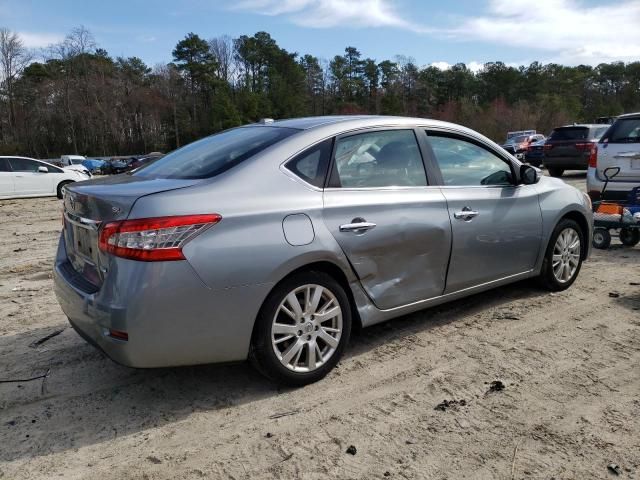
[78, 99]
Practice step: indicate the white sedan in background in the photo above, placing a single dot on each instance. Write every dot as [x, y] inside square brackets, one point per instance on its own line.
[27, 177]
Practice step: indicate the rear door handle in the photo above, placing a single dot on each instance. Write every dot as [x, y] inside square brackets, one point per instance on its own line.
[357, 225]
[466, 214]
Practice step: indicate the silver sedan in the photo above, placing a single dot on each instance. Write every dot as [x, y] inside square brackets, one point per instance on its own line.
[273, 240]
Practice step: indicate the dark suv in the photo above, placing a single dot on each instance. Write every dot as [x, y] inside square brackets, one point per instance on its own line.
[571, 147]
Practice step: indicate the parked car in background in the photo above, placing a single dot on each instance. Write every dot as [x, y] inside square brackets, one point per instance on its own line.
[95, 166]
[518, 145]
[618, 147]
[115, 166]
[27, 177]
[145, 160]
[272, 240]
[572, 147]
[534, 154]
[74, 162]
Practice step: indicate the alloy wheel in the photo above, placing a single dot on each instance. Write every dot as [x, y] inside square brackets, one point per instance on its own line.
[566, 255]
[306, 328]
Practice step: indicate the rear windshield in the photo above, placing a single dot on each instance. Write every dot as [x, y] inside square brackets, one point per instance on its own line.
[570, 133]
[625, 130]
[215, 154]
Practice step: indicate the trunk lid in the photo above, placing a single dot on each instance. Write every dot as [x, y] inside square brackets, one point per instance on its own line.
[89, 205]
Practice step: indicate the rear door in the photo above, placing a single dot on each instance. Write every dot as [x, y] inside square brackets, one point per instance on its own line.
[393, 227]
[496, 224]
[620, 147]
[6, 179]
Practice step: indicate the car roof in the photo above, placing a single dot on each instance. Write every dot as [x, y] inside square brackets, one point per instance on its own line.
[629, 115]
[584, 125]
[355, 121]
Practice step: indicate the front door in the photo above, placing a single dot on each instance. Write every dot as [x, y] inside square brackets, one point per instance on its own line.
[496, 225]
[27, 179]
[391, 225]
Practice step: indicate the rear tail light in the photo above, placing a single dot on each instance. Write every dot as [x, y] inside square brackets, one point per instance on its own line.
[547, 147]
[153, 239]
[118, 335]
[592, 148]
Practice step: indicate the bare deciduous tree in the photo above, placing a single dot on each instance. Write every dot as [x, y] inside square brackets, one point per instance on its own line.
[14, 57]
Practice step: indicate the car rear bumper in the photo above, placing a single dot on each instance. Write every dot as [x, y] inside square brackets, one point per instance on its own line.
[568, 163]
[615, 190]
[171, 317]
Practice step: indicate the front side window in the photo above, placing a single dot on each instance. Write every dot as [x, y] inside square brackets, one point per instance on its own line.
[215, 154]
[311, 165]
[386, 158]
[24, 165]
[463, 163]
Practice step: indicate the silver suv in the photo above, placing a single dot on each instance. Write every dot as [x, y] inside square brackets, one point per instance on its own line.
[618, 147]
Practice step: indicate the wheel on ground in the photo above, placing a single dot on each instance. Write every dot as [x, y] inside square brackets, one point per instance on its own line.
[60, 187]
[601, 238]
[302, 329]
[555, 171]
[629, 236]
[563, 257]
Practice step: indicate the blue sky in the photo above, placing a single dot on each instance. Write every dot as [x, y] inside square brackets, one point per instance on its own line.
[474, 32]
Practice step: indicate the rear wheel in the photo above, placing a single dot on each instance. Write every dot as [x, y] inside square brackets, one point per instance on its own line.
[302, 329]
[601, 238]
[60, 186]
[555, 171]
[563, 257]
[629, 236]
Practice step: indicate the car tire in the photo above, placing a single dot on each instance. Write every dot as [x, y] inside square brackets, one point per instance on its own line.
[285, 356]
[555, 171]
[629, 236]
[60, 186]
[562, 259]
[601, 238]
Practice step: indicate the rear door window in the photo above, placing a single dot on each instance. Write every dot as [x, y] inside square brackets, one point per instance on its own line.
[311, 165]
[570, 133]
[382, 158]
[4, 165]
[215, 154]
[626, 130]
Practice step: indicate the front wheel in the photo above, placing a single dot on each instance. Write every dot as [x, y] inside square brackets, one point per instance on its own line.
[629, 236]
[563, 257]
[61, 186]
[302, 329]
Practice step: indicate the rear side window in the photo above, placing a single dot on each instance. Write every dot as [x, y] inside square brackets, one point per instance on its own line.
[4, 165]
[626, 130]
[215, 154]
[570, 133]
[311, 165]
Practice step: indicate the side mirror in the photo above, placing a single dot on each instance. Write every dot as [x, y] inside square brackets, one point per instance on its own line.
[529, 175]
[43, 169]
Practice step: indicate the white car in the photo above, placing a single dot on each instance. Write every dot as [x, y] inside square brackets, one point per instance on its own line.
[26, 177]
[619, 147]
[74, 162]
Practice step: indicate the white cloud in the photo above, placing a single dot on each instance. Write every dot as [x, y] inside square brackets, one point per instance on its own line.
[39, 40]
[332, 13]
[570, 31]
[474, 66]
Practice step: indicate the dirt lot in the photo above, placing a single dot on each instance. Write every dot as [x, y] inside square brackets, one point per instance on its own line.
[569, 363]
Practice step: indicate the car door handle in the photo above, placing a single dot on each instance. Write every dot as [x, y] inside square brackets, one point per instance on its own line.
[466, 214]
[631, 155]
[357, 225]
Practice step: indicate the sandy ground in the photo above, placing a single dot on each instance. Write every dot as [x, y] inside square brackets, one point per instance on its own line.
[569, 363]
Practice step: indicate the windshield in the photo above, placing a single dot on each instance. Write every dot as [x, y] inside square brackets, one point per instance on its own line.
[215, 154]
